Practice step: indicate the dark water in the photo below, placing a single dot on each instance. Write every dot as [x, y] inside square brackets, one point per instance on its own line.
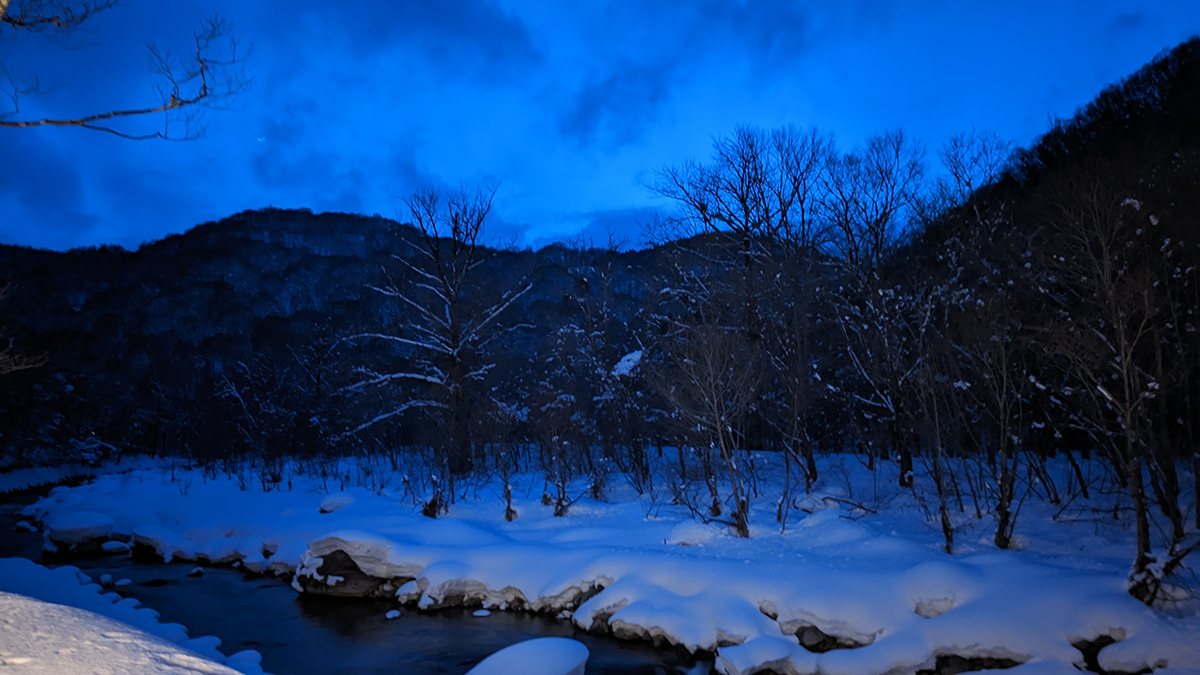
[300, 634]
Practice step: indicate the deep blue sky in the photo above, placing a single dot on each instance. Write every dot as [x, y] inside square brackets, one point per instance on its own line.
[569, 106]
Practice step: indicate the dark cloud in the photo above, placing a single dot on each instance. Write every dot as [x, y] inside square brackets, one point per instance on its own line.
[1127, 22]
[619, 104]
[667, 41]
[289, 126]
[408, 175]
[450, 32]
[43, 201]
[304, 170]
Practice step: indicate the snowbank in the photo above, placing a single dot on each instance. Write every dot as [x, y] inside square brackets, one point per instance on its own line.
[42, 637]
[61, 622]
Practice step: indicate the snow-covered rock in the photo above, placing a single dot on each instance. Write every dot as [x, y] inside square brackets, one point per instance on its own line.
[541, 656]
[114, 547]
[158, 540]
[360, 562]
[78, 531]
[335, 501]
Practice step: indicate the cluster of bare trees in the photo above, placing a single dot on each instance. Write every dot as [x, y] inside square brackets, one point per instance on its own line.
[808, 300]
[970, 349]
[1123, 288]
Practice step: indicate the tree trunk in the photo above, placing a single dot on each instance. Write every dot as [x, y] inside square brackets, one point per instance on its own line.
[1143, 584]
[1196, 481]
[1004, 524]
[810, 465]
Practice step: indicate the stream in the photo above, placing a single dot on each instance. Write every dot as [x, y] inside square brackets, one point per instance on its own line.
[317, 635]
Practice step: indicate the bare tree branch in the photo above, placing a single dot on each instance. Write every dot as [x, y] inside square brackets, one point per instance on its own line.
[41, 16]
[209, 75]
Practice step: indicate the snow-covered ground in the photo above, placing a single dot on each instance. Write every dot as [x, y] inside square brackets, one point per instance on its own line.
[858, 582]
[59, 621]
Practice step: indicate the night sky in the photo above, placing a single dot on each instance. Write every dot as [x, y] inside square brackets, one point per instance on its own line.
[569, 107]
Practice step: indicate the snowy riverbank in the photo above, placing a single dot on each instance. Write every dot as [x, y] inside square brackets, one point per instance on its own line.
[874, 587]
[59, 621]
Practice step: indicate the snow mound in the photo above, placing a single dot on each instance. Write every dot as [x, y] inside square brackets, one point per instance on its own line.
[114, 547]
[541, 656]
[78, 527]
[635, 608]
[166, 544]
[247, 661]
[692, 533]
[829, 528]
[335, 501]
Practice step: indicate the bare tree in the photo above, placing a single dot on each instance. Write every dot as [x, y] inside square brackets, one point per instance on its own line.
[972, 159]
[711, 383]
[206, 77]
[1107, 260]
[868, 193]
[447, 321]
[757, 187]
[969, 160]
[795, 278]
[878, 326]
